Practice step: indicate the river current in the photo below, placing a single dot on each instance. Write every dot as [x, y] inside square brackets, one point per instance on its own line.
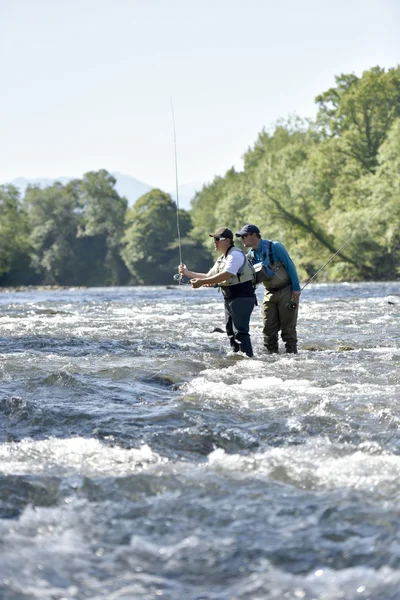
[140, 460]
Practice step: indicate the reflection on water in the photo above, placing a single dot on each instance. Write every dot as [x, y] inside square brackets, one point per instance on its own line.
[138, 459]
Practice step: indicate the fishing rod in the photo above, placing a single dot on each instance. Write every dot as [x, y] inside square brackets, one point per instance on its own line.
[178, 276]
[345, 244]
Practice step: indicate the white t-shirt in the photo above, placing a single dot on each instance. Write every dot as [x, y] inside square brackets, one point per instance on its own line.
[234, 262]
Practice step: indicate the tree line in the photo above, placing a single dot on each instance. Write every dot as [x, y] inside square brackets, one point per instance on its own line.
[83, 233]
[307, 183]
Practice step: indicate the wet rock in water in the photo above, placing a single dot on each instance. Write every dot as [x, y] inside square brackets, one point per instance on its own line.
[217, 330]
[163, 380]
[313, 348]
[345, 348]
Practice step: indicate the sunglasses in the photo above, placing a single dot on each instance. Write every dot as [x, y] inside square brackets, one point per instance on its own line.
[244, 236]
[219, 239]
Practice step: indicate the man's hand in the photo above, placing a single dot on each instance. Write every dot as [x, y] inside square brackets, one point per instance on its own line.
[196, 283]
[183, 270]
[296, 295]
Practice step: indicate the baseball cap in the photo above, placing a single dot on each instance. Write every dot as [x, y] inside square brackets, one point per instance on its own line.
[248, 230]
[222, 232]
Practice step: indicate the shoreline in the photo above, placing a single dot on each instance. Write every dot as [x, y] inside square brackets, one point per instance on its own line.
[41, 288]
[56, 288]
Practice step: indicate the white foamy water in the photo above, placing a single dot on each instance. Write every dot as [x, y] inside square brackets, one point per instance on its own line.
[139, 459]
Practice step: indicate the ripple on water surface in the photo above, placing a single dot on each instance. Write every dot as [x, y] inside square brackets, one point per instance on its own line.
[139, 460]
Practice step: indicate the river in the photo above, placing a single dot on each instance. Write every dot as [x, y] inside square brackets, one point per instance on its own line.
[139, 460]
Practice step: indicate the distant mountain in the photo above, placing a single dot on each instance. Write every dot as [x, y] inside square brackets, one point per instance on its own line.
[126, 186]
[130, 187]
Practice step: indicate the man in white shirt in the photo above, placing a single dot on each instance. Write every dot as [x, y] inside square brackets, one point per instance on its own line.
[235, 275]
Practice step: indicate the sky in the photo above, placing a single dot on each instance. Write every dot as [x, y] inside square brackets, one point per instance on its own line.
[90, 84]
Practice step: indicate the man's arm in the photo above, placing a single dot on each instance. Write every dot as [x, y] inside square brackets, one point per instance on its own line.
[210, 280]
[283, 256]
[191, 274]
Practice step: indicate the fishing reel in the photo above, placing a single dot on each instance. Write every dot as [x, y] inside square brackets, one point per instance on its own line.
[291, 305]
[180, 279]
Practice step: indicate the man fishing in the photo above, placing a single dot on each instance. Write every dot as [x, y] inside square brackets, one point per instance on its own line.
[282, 288]
[235, 276]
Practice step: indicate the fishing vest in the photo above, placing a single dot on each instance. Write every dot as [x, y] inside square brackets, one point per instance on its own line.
[245, 273]
[276, 275]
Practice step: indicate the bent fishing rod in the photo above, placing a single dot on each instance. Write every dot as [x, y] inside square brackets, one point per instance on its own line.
[178, 276]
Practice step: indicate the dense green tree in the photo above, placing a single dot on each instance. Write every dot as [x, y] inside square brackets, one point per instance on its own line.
[355, 119]
[101, 226]
[285, 132]
[312, 185]
[360, 111]
[14, 238]
[385, 193]
[151, 248]
[53, 222]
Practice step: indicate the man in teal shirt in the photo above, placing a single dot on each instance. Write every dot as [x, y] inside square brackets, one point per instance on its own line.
[282, 289]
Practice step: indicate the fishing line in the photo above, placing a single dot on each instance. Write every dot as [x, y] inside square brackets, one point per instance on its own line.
[345, 244]
[178, 276]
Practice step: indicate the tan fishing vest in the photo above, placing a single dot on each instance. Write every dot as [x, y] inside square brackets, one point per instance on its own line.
[245, 273]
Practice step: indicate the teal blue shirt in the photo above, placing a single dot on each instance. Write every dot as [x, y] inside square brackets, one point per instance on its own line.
[279, 253]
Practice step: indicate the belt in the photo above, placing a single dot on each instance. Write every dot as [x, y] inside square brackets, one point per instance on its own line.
[279, 288]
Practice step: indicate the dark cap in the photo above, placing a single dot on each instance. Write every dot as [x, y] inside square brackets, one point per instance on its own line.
[223, 232]
[248, 230]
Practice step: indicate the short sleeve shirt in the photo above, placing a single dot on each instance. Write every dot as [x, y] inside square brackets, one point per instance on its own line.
[234, 262]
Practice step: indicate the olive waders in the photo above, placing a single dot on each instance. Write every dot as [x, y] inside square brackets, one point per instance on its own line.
[278, 317]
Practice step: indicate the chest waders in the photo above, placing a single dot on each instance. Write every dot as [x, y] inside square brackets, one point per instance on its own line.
[277, 278]
[239, 300]
[276, 316]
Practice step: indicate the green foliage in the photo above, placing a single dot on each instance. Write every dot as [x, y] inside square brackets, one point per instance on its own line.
[385, 195]
[14, 238]
[360, 112]
[284, 133]
[150, 243]
[101, 226]
[310, 185]
[75, 232]
[53, 223]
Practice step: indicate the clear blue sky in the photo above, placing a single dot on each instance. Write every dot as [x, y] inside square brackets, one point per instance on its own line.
[87, 84]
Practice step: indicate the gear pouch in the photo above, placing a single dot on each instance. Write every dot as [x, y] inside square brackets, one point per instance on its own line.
[263, 273]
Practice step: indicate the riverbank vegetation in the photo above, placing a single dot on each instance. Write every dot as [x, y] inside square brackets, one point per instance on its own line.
[309, 184]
